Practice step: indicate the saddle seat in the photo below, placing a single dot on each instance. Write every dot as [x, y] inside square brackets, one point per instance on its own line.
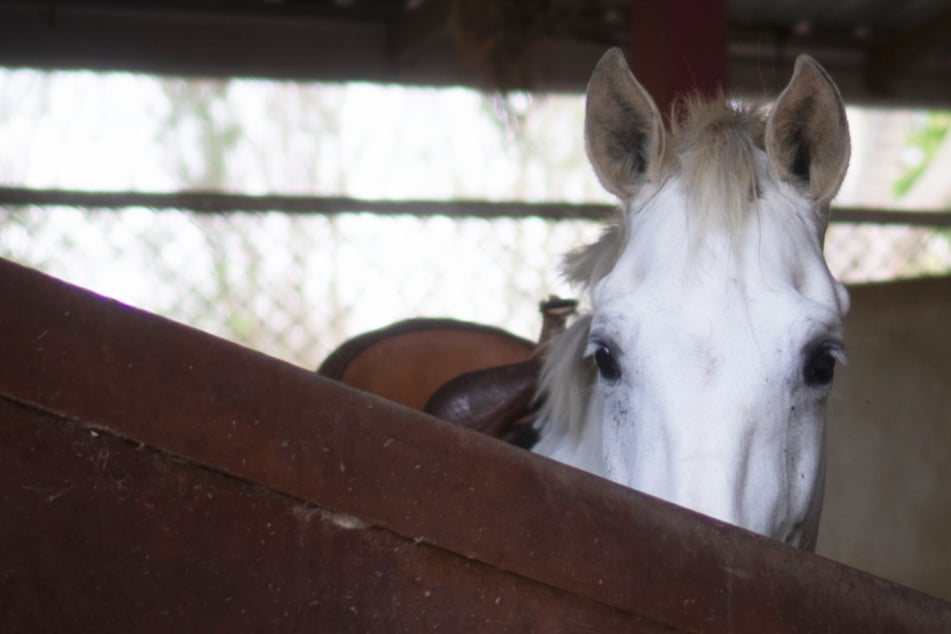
[477, 376]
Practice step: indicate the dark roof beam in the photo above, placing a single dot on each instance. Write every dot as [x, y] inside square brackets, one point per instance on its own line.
[892, 54]
[418, 31]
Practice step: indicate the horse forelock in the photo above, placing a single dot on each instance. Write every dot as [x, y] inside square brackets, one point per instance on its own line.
[712, 149]
[716, 160]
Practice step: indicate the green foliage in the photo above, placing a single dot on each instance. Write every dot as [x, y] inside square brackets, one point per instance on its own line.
[927, 140]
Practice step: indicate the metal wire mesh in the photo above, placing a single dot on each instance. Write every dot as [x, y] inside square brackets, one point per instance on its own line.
[295, 286]
[867, 253]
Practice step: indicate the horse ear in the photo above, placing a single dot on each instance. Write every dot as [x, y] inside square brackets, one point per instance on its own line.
[807, 133]
[624, 132]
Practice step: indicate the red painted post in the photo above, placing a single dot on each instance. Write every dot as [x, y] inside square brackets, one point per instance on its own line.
[678, 47]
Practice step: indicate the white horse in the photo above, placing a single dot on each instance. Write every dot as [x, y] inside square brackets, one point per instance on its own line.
[702, 374]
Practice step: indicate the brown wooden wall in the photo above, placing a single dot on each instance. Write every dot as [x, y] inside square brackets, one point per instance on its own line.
[155, 478]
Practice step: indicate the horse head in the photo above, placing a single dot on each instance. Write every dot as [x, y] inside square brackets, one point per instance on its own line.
[702, 372]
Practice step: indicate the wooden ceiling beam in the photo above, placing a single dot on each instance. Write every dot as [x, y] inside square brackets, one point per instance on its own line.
[673, 46]
[894, 53]
[189, 43]
[418, 32]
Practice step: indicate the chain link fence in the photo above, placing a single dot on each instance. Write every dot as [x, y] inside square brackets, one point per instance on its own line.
[295, 286]
[873, 253]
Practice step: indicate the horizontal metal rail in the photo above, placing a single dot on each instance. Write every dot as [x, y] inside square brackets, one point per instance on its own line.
[218, 202]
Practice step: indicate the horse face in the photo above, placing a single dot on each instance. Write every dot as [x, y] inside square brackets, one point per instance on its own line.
[716, 323]
[714, 363]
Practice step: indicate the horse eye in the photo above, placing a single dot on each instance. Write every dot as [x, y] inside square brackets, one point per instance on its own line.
[820, 367]
[607, 365]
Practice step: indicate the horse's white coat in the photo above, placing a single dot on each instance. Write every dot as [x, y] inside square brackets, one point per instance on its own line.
[710, 325]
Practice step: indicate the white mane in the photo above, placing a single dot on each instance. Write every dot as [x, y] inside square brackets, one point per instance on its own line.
[566, 380]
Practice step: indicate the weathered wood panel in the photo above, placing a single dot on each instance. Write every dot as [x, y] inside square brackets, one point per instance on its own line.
[118, 425]
[887, 507]
[102, 535]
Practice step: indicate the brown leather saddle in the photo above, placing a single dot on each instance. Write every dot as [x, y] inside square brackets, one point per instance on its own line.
[481, 377]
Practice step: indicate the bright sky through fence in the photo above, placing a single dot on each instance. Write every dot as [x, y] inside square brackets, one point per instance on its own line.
[114, 131]
[110, 131]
